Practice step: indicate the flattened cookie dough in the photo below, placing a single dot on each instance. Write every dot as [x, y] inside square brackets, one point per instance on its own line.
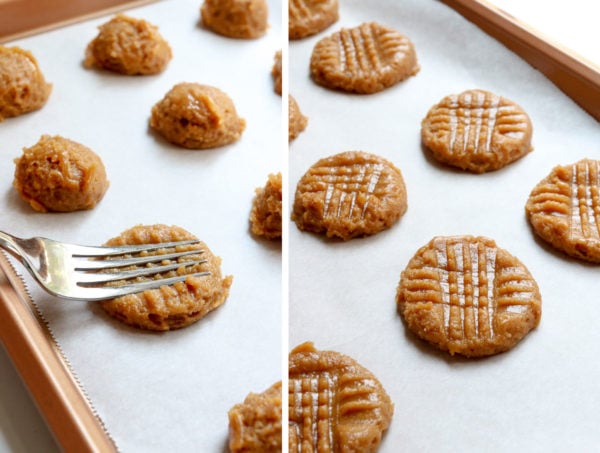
[477, 131]
[467, 296]
[276, 73]
[243, 19]
[197, 117]
[265, 216]
[309, 17]
[348, 195]
[128, 46]
[564, 209]
[365, 59]
[58, 174]
[255, 425]
[343, 399]
[297, 121]
[174, 306]
[23, 88]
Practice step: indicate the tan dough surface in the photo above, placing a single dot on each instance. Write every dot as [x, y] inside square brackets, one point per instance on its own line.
[128, 46]
[243, 19]
[58, 174]
[364, 59]
[564, 209]
[265, 216]
[308, 17]
[297, 121]
[477, 131]
[197, 116]
[335, 404]
[174, 306]
[276, 73]
[22, 85]
[255, 424]
[467, 296]
[348, 195]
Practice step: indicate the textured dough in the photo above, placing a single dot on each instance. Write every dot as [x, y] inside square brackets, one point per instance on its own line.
[335, 404]
[467, 296]
[255, 425]
[308, 17]
[265, 216]
[348, 195]
[297, 121]
[477, 131]
[174, 306]
[128, 46]
[58, 174]
[244, 19]
[197, 116]
[22, 84]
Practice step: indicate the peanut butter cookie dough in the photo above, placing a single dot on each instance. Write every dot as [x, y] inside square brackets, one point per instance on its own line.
[23, 88]
[477, 131]
[309, 17]
[243, 19]
[564, 209]
[364, 59]
[348, 195]
[197, 117]
[276, 73]
[255, 425]
[128, 46]
[297, 121]
[58, 174]
[467, 296]
[265, 216]
[174, 306]
[335, 404]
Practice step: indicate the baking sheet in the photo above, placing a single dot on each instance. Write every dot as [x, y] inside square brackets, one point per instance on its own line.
[165, 391]
[542, 395]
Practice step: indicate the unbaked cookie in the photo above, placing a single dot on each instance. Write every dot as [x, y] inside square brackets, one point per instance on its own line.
[174, 306]
[128, 46]
[564, 209]
[255, 425]
[335, 404]
[363, 59]
[348, 195]
[244, 19]
[197, 116]
[308, 17]
[58, 174]
[297, 121]
[276, 73]
[22, 84]
[265, 216]
[467, 296]
[477, 131]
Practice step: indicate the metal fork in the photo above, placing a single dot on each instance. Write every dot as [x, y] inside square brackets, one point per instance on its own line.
[85, 273]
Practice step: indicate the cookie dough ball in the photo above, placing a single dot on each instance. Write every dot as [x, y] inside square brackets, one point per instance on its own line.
[58, 174]
[22, 84]
[309, 17]
[297, 121]
[255, 425]
[128, 46]
[266, 209]
[173, 306]
[244, 19]
[197, 117]
[276, 73]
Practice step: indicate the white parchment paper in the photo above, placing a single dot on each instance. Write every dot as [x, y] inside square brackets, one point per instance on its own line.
[170, 391]
[542, 395]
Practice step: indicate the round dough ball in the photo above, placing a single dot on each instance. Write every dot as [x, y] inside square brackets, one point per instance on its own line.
[197, 117]
[244, 19]
[173, 306]
[128, 46]
[22, 84]
[265, 216]
[58, 174]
